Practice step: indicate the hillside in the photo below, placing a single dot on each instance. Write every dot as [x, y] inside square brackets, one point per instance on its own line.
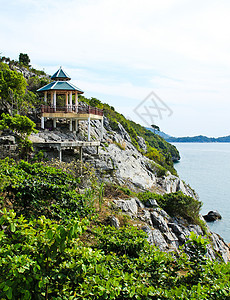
[118, 225]
[191, 139]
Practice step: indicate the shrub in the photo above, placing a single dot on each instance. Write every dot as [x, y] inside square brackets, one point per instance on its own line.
[176, 204]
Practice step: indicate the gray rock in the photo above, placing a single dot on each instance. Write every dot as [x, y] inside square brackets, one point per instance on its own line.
[140, 204]
[151, 203]
[114, 222]
[159, 221]
[212, 216]
[158, 240]
[7, 140]
[128, 206]
[142, 144]
[155, 238]
[124, 133]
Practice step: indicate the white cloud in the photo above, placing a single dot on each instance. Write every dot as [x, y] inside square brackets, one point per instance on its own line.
[126, 49]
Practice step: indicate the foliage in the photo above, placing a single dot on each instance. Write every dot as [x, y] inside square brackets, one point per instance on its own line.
[12, 86]
[21, 125]
[176, 204]
[24, 59]
[42, 259]
[35, 189]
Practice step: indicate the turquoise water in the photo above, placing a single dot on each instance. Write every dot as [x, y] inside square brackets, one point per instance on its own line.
[206, 168]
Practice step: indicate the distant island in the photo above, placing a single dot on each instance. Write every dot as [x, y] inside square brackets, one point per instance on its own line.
[191, 139]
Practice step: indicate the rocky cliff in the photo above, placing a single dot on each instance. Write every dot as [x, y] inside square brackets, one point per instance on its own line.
[118, 161]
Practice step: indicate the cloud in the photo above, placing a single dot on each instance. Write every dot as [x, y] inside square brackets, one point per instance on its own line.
[123, 50]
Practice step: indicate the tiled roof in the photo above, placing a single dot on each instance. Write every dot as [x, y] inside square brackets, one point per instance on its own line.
[60, 85]
[60, 75]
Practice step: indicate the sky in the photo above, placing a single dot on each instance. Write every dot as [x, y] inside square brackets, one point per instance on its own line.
[162, 62]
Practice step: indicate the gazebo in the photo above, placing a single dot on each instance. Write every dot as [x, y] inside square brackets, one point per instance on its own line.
[61, 86]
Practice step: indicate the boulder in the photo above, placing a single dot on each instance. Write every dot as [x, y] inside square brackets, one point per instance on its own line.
[142, 144]
[114, 221]
[212, 216]
[128, 206]
[159, 221]
[151, 203]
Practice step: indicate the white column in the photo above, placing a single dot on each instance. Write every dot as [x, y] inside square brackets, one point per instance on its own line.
[70, 125]
[60, 154]
[54, 123]
[45, 97]
[54, 100]
[76, 102]
[88, 129]
[102, 128]
[71, 100]
[66, 99]
[76, 125]
[42, 123]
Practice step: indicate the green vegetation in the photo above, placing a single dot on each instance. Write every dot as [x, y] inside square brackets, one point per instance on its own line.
[18, 95]
[42, 259]
[24, 59]
[23, 127]
[53, 245]
[176, 204]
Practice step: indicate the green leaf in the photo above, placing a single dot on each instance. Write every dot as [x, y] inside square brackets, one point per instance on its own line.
[9, 293]
[12, 227]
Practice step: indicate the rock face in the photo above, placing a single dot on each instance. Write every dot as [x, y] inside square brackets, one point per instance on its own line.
[167, 233]
[120, 162]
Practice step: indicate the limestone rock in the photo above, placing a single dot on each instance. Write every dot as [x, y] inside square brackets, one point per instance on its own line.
[7, 140]
[114, 221]
[142, 144]
[128, 206]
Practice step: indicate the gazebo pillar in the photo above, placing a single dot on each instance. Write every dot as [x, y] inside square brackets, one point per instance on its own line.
[71, 125]
[76, 125]
[54, 100]
[101, 128]
[54, 123]
[42, 122]
[71, 101]
[88, 129]
[45, 97]
[76, 102]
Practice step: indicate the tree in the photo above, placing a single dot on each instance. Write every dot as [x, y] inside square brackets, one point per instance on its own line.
[24, 59]
[155, 127]
[12, 87]
[23, 127]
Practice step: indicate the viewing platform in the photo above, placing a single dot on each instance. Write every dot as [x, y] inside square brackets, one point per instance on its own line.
[71, 111]
[60, 146]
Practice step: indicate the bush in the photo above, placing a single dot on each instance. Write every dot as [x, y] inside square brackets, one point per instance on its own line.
[176, 204]
[34, 190]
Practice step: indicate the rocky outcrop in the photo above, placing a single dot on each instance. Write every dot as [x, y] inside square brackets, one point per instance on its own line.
[120, 162]
[168, 233]
[212, 216]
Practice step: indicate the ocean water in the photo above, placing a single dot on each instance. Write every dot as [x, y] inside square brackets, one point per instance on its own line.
[206, 168]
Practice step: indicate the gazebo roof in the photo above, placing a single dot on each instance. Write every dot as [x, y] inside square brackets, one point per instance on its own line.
[60, 75]
[60, 86]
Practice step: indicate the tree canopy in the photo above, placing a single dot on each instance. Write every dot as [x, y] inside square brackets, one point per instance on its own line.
[24, 59]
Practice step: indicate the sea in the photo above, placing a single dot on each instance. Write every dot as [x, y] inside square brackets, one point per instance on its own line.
[206, 168]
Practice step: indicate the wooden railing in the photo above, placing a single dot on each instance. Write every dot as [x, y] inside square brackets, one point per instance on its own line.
[70, 109]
